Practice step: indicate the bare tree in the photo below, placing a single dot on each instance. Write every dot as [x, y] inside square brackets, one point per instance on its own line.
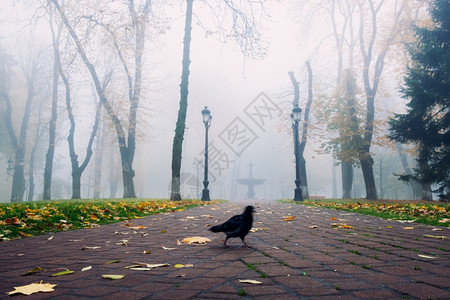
[31, 65]
[126, 131]
[56, 34]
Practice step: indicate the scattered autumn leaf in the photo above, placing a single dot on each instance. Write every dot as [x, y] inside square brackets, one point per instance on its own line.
[50, 238]
[62, 273]
[445, 220]
[289, 218]
[442, 237]
[86, 269]
[24, 234]
[123, 242]
[147, 252]
[113, 277]
[388, 227]
[196, 240]
[408, 228]
[114, 261]
[33, 288]
[250, 281]
[178, 243]
[35, 270]
[166, 248]
[156, 265]
[426, 256]
[163, 231]
[137, 227]
[91, 248]
[183, 266]
[313, 226]
[140, 269]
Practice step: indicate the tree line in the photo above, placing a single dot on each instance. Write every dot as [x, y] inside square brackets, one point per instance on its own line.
[104, 46]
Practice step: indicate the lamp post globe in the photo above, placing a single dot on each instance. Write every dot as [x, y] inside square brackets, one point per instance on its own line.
[206, 115]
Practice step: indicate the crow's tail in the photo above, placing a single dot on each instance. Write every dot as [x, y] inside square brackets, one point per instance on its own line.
[217, 228]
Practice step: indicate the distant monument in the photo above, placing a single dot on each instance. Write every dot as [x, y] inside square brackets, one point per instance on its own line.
[250, 182]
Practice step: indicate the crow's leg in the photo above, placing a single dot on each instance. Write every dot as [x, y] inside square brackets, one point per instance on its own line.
[245, 244]
[225, 242]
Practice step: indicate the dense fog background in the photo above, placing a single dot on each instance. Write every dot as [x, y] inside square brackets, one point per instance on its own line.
[231, 86]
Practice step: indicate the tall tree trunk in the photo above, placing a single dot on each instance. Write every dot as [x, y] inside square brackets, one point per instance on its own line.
[18, 184]
[78, 170]
[181, 120]
[37, 137]
[347, 179]
[98, 161]
[48, 170]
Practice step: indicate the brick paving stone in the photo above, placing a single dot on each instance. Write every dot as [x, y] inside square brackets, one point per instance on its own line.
[420, 290]
[375, 294]
[376, 259]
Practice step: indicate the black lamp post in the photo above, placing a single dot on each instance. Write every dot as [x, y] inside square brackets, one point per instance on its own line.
[206, 114]
[295, 119]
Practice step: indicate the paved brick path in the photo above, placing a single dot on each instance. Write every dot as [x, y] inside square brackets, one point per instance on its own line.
[375, 259]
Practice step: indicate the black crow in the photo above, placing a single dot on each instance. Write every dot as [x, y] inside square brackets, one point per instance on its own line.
[237, 226]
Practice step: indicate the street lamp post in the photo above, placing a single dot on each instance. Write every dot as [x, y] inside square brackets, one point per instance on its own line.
[295, 119]
[206, 114]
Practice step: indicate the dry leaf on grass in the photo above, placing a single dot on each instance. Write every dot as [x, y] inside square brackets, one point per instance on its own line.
[33, 288]
[250, 281]
[196, 240]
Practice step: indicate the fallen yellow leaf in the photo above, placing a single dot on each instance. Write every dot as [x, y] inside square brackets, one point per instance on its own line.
[114, 261]
[250, 281]
[65, 272]
[289, 218]
[166, 248]
[113, 277]
[156, 265]
[37, 269]
[33, 288]
[408, 228]
[425, 256]
[137, 227]
[178, 243]
[183, 266]
[147, 252]
[442, 237]
[196, 240]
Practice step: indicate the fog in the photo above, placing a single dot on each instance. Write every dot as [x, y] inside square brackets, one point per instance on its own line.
[232, 87]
